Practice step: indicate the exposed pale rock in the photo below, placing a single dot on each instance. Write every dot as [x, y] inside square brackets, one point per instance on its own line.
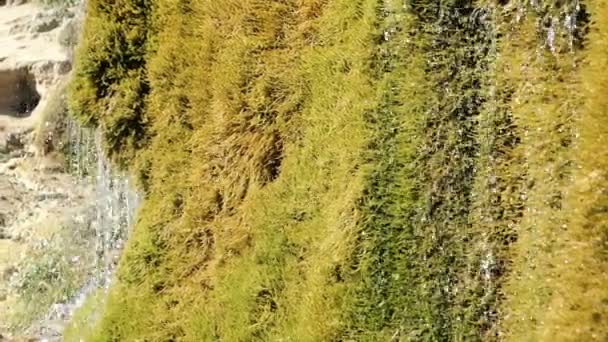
[32, 60]
[36, 196]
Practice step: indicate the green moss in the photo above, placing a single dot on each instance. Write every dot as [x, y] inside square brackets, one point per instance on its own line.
[110, 85]
[85, 318]
[341, 170]
[556, 290]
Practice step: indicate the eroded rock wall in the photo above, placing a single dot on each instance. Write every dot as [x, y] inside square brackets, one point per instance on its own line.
[38, 198]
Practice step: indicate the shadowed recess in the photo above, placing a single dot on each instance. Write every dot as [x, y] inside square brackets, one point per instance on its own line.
[19, 95]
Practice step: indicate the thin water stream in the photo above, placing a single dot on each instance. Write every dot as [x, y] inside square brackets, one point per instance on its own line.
[111, 216]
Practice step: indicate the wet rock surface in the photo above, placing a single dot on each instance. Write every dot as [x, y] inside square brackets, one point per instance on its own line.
[64, 214]
[38, 198]
[34, 205]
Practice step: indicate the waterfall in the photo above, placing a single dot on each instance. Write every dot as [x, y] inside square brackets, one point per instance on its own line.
[111, 214]
[115, 205]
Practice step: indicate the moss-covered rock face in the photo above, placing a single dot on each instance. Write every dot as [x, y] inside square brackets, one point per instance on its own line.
[110, 87]
[365, 170]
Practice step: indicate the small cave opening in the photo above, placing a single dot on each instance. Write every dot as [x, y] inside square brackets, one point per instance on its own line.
[18, 94]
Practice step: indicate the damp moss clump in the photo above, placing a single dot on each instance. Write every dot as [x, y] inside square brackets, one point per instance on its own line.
[337, 170]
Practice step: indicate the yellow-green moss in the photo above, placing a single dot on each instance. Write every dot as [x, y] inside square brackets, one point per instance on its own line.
[321, 170]
[558, 289]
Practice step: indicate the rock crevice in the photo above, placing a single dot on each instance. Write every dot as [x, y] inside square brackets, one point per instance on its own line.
[19, 94]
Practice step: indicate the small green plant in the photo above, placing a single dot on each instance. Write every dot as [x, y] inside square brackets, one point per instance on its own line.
[52, 273]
